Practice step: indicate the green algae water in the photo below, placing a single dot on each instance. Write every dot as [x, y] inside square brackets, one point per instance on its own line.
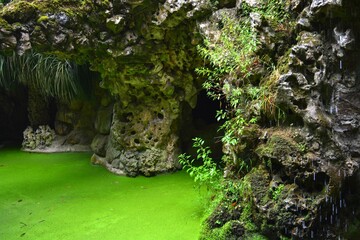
[63, 196]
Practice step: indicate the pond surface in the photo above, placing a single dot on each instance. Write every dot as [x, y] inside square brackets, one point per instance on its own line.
[63, 196]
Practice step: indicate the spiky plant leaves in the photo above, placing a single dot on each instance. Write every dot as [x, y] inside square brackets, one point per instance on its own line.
[50, 76]
[55, 78]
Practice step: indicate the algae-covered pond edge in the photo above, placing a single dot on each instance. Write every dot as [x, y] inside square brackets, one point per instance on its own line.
[64, 196]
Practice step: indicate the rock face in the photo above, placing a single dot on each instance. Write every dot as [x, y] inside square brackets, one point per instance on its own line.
[39, 139]
[321, 91]
[303, 184]
[145, 56]
[73, 130]
[308, 188]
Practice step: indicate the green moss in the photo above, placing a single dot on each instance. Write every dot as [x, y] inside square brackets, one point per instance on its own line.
[278, 146]
[20, 11]
[5, 25]
[283, 62]
[276, 192]
[37, 28]
[255, 236]
[247, 216]
[224, 232]
[42, 18]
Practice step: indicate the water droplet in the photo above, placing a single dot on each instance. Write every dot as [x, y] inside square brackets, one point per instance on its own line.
[341, 64]
[312, 234]
[344, 203]
[314, 176]
[332, 103]
[331, 219]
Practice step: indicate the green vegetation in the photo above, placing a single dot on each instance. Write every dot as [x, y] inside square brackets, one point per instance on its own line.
[46, 74]
[240, 70]
[276, 192]
[63, 196]
[206, 174]
[238, 73]
[42, 18]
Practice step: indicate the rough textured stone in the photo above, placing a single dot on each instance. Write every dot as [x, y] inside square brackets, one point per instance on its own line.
[98, 145]
[151, 79]
[145, 53]
[103, 119]
[41, 138]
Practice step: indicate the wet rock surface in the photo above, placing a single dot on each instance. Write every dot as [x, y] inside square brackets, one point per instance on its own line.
[312, 157]
[145, 53]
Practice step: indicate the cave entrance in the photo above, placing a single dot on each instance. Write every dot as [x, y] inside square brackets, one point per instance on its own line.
[203, 124]
[13, 115]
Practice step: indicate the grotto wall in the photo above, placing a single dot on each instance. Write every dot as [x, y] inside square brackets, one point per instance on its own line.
[71, 130]
[145, 53]
[12, 116]
[303, 178]
[321, 88]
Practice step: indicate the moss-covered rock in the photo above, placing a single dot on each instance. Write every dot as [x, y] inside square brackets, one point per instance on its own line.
[145, 53]
[19, 11]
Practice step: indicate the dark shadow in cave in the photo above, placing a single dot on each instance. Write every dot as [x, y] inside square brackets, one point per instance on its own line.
[339, 214]
[13, 116]
[202, 123]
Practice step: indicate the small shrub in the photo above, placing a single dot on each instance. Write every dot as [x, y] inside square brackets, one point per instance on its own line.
[276, 192]
[207, 174]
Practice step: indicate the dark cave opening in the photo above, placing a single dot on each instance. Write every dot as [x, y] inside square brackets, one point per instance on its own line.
[205, 111]
[13, 115]
[340, 211]
[202, 123]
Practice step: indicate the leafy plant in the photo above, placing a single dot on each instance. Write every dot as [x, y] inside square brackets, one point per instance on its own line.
[47, 74]
[206, 174]
[276, 192]
[240, 75]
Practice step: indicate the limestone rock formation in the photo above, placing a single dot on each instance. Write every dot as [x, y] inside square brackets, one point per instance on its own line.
[41, 138]
[144, 53]
[303, 182]
[308, 187]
